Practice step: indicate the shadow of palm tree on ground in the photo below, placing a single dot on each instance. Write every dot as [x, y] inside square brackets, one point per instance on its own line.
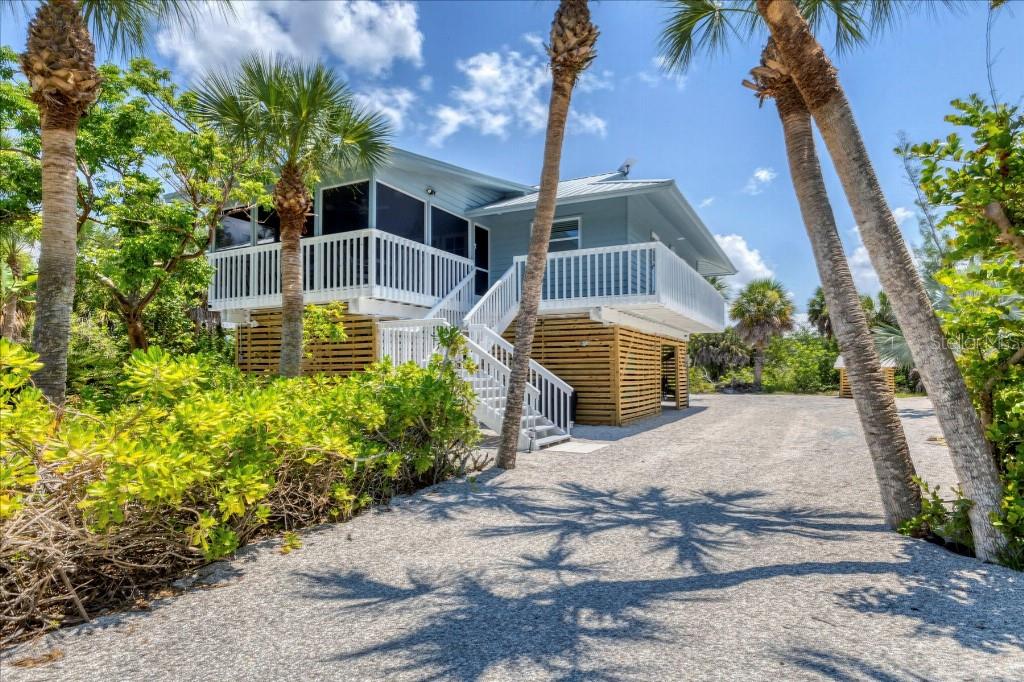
[553, 612]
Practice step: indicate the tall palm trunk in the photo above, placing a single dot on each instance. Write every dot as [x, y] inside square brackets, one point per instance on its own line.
[883, 431]
[292, 201]
[60, 65]
[571, 50]
[12, 321]
[758, 366]
[817, 80]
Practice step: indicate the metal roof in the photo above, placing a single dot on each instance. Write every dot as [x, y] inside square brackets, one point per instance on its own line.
[602, 185]
[841, 364]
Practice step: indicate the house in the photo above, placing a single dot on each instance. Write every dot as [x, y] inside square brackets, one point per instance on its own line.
[420, 243]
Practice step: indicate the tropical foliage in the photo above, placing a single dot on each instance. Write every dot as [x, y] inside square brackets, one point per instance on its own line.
[301, 121]
[981, 183]
[762, 311]
[196, 461]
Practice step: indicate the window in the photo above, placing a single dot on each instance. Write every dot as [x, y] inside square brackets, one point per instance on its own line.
[565, 235]
[346, 208]
[268, 226]
[449, 232]
[399, 213]
[235, 229]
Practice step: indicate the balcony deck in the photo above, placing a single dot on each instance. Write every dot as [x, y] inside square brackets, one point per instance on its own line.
[338, 267]
[639, 285]
[633, 284]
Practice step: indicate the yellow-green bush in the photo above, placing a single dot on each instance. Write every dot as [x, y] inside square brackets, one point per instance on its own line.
[98, 507]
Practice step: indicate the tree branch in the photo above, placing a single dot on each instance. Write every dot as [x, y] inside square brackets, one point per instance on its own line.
[994, 212]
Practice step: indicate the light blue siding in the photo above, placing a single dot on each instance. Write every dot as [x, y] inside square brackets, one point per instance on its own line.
[603, 223]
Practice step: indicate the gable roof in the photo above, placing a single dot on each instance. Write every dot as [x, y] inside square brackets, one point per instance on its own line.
[409, 159]
[604, 185]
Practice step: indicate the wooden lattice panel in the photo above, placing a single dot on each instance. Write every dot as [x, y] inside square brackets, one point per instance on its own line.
[258, 349]
[615, 371]
[844, 381]
[579, 351]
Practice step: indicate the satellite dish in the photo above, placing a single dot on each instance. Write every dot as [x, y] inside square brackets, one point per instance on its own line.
[626, 165]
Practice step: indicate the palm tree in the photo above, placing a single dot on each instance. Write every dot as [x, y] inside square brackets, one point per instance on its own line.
[571, 50]
[818, 83]
[817, 313]
[763, 310]
[60, 63]
[302, 120]
[851, 320]
[835, 308]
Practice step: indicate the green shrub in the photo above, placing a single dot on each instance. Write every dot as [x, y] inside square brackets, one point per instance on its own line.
[197, 461]
[698, 381]
[945, 519]
[801, 363]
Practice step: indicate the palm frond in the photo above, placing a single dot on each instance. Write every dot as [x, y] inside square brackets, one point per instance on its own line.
[892, 344]
[290, 112]
[704, 26]
[125, 26]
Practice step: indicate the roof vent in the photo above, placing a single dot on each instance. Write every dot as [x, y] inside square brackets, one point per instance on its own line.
[626, 165]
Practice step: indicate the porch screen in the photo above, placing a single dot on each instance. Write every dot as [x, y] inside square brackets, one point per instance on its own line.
[449, 232]
[235, 229]
[400, 214]
[346, 208]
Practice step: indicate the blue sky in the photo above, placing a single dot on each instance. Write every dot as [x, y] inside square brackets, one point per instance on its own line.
[465, 82]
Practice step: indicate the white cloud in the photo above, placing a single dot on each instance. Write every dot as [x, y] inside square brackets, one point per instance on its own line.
[591, 81]
[426, 83]
[864, 276]
[366, 37]
[658, 74]
[503, 91]
[902, 214]
[761, 178]
[394, 103]
[535, 42]
[705, 202]
[587, 124]
[749, 263]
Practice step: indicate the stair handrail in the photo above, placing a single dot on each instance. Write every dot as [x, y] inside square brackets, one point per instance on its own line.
[500, 341]
[449, 308]
[494, 368]
[555, 393]
[499, 303]
[408, 340]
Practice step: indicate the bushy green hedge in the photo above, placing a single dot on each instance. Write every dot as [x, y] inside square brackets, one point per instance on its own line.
[97, 507]
[801, 362]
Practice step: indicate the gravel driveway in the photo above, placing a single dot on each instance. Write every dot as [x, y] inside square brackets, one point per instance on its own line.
[739, 539]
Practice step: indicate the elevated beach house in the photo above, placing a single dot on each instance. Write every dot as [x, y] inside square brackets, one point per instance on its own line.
[419, 243]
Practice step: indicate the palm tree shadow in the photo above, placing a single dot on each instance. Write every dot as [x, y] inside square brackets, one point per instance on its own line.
[694, 528]
[553, 612]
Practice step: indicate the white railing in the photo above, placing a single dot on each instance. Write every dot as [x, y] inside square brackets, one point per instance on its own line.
[336, 267]
[453, 307]
[409, 340]
[554, 396]
[631, 273]
[683, 288]
[490, 380]
[498, 307]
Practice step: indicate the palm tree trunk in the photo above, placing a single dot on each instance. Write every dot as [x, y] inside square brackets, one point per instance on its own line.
[292, 201]
[572, 48]
[819, 85]
[533, 278]
[11, 326]
[55, 287]
[758, 366]
[883, 431]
